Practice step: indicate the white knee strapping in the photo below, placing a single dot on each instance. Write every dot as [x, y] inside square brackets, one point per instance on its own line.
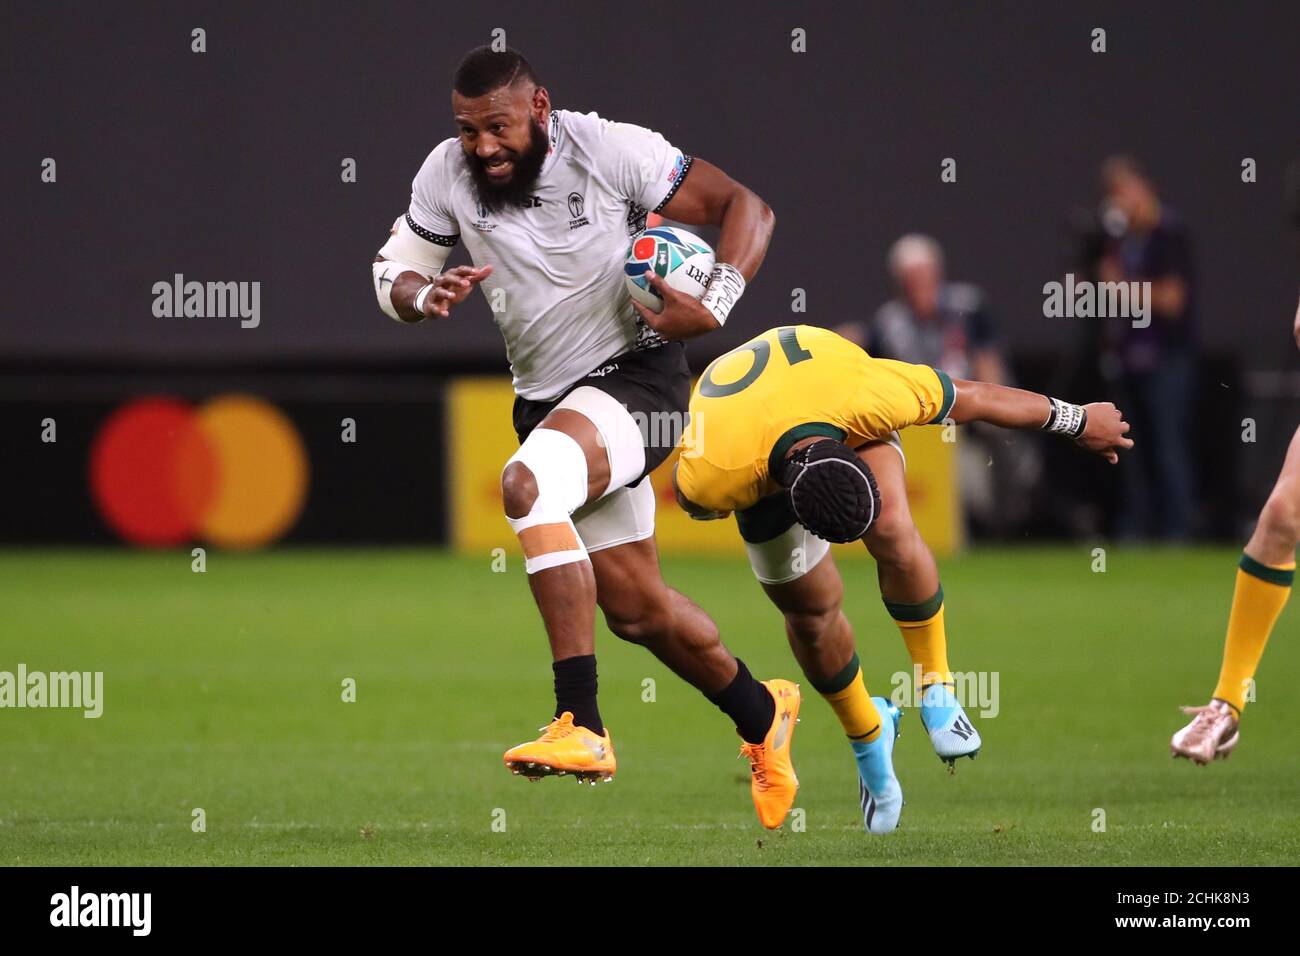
[559, 467]
[619, 433]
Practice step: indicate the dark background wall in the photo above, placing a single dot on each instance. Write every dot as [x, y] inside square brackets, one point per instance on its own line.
[225, 165]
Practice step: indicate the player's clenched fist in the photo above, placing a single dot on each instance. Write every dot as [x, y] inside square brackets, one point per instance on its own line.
[1105, 431]
[682, 317]
[448, 289]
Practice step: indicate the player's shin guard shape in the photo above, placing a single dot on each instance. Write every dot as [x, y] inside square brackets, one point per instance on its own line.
[1257, 601]
[559, 468]
[922, 628]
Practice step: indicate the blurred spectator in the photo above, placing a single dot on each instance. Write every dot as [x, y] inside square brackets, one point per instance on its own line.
[948, 325]
[933, 321]
[1152, 369]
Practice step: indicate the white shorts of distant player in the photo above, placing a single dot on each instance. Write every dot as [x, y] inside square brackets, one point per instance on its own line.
[791, 555]
[621, 515]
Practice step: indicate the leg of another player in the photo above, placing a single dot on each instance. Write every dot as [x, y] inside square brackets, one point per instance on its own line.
[909, 576]
[822, 641]
[910, 588]
[1264, 578]
[1278, 531]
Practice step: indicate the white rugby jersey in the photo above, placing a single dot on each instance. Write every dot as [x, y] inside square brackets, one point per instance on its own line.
[559, 259]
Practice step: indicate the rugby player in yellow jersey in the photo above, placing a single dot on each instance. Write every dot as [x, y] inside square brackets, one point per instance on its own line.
[796, 431]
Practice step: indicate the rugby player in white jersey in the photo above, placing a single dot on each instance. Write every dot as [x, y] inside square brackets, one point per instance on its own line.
[546, 202]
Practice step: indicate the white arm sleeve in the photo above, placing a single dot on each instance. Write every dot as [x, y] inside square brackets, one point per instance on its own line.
[405, 251]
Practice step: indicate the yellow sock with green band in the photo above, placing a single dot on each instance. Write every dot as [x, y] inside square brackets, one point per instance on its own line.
[846, 692]
[1257, 600]
[922, 628]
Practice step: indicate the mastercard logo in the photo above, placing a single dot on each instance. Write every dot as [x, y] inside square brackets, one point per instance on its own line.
[232, 471]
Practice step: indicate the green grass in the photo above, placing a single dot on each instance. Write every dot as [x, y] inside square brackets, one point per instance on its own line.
[223, 692]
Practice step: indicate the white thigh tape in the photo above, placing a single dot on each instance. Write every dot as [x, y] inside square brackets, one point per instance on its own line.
[618, 431]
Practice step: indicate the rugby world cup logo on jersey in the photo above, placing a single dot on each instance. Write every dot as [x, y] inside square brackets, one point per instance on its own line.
[576, 218]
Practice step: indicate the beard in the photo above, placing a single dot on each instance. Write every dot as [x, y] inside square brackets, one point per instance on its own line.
[528, 167]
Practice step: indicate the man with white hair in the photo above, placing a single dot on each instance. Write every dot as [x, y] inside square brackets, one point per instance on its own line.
[949, 326]
[944, 324]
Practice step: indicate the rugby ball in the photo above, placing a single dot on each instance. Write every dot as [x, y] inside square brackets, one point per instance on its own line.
[683, 259]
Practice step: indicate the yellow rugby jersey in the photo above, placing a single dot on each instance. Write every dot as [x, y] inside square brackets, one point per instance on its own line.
[789, 383]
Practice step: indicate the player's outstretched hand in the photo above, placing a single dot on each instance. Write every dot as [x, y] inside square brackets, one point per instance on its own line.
[1105, 431]
[683, 316]
[452, 287]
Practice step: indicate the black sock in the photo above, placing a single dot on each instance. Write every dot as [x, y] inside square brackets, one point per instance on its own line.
[575, 691]
[748, 703]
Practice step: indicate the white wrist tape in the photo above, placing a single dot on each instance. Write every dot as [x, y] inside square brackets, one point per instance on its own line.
[1065, 419]
[422, 295]
[726, 286]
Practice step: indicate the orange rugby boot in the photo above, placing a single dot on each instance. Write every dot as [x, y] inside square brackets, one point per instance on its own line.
[772, 778]
[564, 749]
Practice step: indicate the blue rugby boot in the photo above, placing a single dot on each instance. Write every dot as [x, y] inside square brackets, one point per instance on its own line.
[949, 728]
[879, 792]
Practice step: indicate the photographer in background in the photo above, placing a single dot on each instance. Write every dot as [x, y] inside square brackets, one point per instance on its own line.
[1152, 369]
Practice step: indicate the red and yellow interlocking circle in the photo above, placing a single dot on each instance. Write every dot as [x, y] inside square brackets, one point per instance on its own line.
[232, 472]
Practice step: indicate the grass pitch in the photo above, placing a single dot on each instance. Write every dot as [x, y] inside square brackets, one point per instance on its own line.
[223, 692]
